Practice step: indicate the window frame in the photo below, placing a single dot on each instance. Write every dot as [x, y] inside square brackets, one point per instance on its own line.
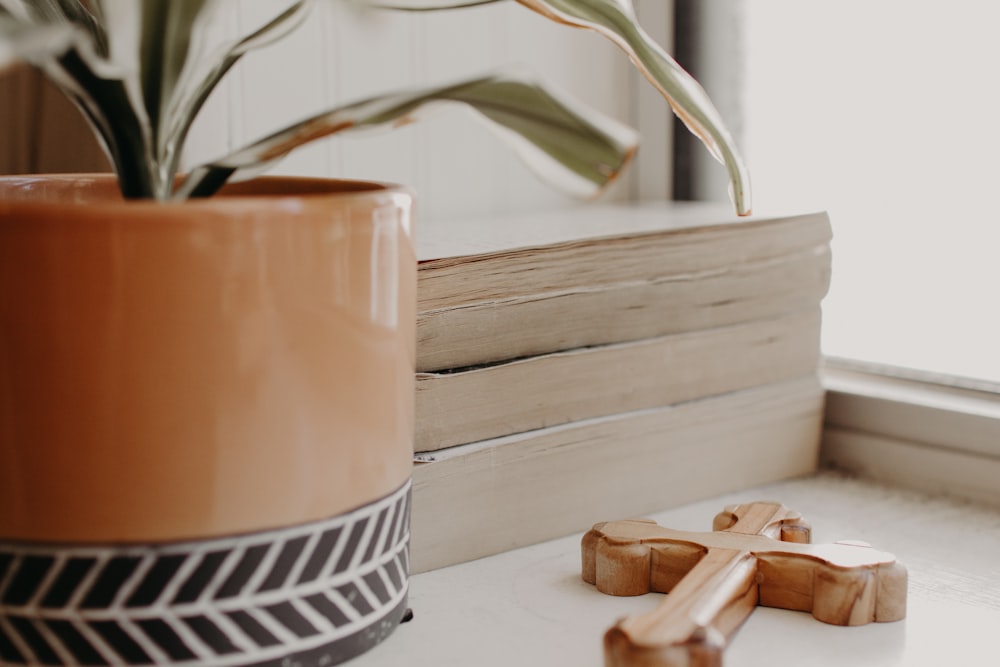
[913, 428]
[929, 432]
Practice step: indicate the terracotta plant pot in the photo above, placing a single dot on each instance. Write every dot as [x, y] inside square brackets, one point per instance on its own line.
[206, 417]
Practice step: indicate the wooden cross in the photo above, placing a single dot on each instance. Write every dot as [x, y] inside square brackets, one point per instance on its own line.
[758, 554]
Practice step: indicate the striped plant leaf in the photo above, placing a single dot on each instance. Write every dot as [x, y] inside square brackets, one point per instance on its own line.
[562, 141]
[106, 91]
[19, 41]
[422, 5]
[197, 82]
[616, 20]
[167, 31]
[141, 72]
[110, 98]
[180, 64]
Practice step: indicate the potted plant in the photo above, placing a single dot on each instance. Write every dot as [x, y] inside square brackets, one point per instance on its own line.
[206, 385]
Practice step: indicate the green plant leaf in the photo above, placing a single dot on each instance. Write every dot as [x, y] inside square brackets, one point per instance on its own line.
[166, 28]
[51, 24]
[106, 91]
[26, 42]
[72, 57]
[16, 11]
[424, 5]
[36, 11]
[53, 13]
[76, 13]
[153, 37]
[616, 20]
[559, 139]
[198, 81]
[181, 56]
[110, 104]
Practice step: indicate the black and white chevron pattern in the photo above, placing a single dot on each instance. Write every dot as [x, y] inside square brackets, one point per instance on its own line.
[316, 594]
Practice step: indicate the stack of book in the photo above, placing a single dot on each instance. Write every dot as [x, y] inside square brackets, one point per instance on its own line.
[606, 362]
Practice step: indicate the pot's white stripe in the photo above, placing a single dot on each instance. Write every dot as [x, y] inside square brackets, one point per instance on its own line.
[133, 581]
[386, 581]
[335, 596]
[169, 592]
[50, 638]
[317, 619]
[362, 547]
[187, 635]
[232, 559]
[15, 638]
[297, 645]
[106, 652]
[303, 560]
[43, 586]
[367, 593]
[235, 634]
[8, 576]
[272, 625]
[85, 584]
[263, 569]
[326, 573]
[147, 644]
[383, 535]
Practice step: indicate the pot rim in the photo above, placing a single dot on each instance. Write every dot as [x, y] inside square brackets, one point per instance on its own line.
[44, 192]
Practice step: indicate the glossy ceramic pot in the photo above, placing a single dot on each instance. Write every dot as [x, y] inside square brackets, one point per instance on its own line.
[206, 417]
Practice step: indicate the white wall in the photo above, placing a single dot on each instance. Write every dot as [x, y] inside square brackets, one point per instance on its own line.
[884, 112]
[457, 166]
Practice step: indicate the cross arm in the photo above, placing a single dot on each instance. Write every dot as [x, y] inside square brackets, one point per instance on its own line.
[842, 583]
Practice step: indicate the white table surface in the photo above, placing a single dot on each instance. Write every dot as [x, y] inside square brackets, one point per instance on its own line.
[530, 607]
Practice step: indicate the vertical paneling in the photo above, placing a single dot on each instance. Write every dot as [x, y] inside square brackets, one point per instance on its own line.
[281, 83]
[370, 54]
[651, 116]
[463, 168]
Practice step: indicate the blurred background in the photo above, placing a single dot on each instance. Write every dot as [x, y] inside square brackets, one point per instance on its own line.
[884, 113]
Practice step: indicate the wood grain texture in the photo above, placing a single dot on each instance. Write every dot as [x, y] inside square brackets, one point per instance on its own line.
[758, 554]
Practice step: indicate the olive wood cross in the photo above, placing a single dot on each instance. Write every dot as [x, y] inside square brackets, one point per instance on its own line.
[757, 554]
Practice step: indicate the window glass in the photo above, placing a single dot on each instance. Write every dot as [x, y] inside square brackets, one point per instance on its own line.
[886, 113]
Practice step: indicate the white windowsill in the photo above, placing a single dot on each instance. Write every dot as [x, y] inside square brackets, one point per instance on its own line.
[529, 607]
[913, 431]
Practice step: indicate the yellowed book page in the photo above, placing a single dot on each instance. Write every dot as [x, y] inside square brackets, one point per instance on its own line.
[547, 390]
